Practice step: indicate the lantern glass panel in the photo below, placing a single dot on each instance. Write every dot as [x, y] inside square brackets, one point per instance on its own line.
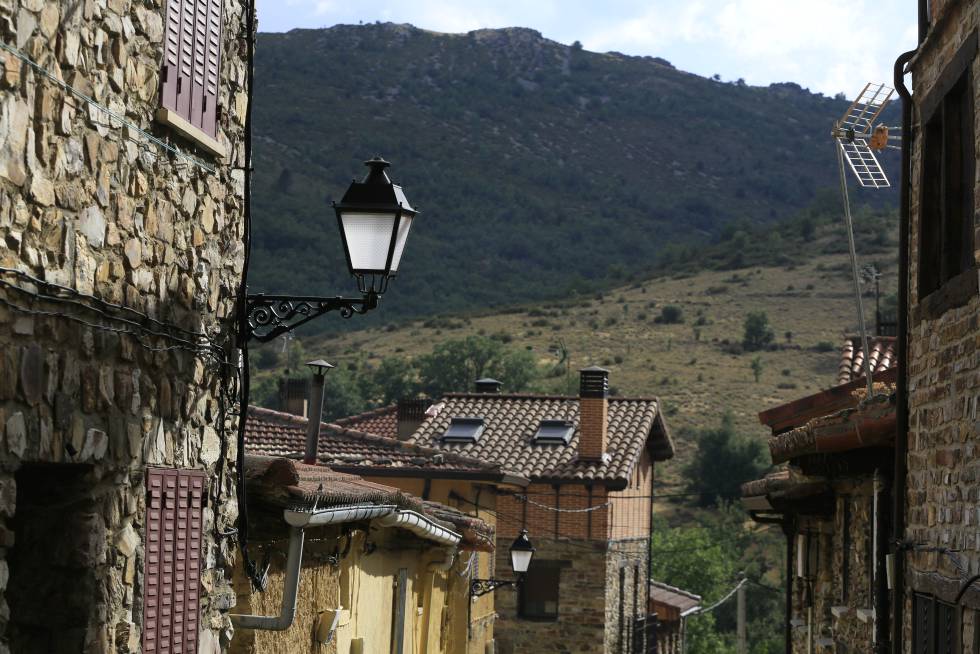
[521, 559]
[403, 227]
[368, 237]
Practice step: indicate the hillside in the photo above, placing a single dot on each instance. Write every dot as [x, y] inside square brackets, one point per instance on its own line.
[540, 168]
[694, 366]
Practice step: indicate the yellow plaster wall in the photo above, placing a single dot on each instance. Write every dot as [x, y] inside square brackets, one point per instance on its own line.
[364, 584]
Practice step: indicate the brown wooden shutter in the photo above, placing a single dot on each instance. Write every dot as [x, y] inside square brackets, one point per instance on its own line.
[192, 60]
[172, 563]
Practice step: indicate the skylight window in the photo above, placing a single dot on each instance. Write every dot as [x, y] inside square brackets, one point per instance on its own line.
[463, 430]
[554, 432]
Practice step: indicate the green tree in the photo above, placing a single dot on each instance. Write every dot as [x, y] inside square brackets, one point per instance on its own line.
[395, 378]
[757, 368]
[671, 314]
[454, 365]
[342, 395]
[758, 333]
[723, 462]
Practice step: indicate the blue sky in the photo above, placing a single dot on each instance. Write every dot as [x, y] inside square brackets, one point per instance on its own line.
[826, 45]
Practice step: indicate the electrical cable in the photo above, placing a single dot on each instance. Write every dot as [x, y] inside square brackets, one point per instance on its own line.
[41, 70]
[724, 599]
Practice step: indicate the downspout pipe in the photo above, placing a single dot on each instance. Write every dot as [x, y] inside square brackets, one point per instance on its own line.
[287, 613]
[298, 521]
[899, 481]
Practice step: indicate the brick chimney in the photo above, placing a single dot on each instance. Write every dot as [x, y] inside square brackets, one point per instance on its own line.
[411, 414]
[293, 392]
[488, 385]
[593, 416]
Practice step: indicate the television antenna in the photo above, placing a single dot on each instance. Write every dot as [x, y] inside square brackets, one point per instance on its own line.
[859, 135]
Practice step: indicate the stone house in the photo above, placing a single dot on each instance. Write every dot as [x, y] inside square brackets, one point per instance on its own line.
[123, 151]
[352, 566]
[937, 507]
[465, 484]
[831, 499]
[590, 459]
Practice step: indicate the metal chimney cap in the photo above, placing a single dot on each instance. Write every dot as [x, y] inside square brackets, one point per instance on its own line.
[595, 369]
[319, 366]
[488, 385]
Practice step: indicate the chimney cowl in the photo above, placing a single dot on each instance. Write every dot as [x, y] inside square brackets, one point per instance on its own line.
[488, 385]
[594, 382]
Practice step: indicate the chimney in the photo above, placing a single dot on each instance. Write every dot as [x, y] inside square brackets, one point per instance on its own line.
[593, 413]
[293, 395]
[487, 385]
[411, 414]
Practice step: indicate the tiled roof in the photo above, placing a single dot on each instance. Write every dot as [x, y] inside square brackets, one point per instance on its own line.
[274, 433]
[382, 421]
[870, 423]
[510, 422]
[287, 484]
[851, 366]
[674, 597]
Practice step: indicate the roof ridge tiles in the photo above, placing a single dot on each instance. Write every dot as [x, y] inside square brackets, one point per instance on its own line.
[537, 396]
[370, 413]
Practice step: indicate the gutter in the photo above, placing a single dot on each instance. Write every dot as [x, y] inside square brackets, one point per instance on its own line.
[900, 471]
[388, 516]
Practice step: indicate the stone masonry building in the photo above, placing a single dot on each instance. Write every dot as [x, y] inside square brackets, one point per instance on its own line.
[122, 214]
[940, 545]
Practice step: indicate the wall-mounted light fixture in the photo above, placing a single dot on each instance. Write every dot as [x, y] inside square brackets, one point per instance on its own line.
[521, 553]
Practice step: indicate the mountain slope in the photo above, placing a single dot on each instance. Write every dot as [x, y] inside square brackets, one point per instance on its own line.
[540, 168]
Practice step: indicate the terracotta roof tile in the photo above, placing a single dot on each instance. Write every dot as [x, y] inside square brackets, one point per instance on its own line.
[287, 484]
[851, 366]
[382, 421]
[273, 433]
[510, 422]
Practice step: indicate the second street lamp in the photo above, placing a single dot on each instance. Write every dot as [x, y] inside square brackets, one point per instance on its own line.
[521, 553]
[374, 218]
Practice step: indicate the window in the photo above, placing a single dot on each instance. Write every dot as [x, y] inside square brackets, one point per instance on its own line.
[947, 185]
[191, 67]
[935, 628]
[539, 592]
[557, 432]
[463, 430]
[172, 567]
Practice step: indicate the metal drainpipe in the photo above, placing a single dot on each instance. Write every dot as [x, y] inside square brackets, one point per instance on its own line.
[789, 531]
[902, 412]
[297, 522]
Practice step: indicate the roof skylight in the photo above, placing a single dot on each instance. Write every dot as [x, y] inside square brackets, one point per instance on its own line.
[463, 430]
[554, 432]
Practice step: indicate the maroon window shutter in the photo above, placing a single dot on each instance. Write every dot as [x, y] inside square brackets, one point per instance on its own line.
[172, 568]
[212, 69]
[171, 55]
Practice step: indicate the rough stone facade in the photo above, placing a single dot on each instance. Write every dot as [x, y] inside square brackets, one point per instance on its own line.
[100, 379]
[942, 506]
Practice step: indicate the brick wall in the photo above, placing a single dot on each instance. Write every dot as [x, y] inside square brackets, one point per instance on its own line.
[944, 374]
[90, 205]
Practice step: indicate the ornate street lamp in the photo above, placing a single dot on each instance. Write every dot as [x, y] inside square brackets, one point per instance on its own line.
[374, 218]
[521, 553]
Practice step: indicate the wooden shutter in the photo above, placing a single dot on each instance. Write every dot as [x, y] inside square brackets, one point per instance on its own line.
[172, 560]
[945, 628]
[192, 61]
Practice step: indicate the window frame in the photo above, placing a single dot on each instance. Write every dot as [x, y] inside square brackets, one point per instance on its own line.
[537, 567]
[943, 283]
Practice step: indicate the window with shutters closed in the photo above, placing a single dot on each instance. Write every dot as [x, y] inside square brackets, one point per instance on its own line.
[191, 69]
[934, 630]
[172, 560]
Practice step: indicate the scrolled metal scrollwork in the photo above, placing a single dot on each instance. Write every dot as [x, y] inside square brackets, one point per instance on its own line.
[480, 587]
[270, 316]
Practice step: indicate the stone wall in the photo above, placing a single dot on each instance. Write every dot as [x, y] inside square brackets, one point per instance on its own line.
[91, 205]
[580, 627]
[626, 591]
[944, 373]
[852, 543]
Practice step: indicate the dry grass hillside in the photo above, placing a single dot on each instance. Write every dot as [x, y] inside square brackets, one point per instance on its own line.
[689, 365]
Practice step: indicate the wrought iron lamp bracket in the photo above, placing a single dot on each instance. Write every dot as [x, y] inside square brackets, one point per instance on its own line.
[480, 587]
[270, 316]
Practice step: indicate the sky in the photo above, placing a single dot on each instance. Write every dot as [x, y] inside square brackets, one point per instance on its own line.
[828, 46]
